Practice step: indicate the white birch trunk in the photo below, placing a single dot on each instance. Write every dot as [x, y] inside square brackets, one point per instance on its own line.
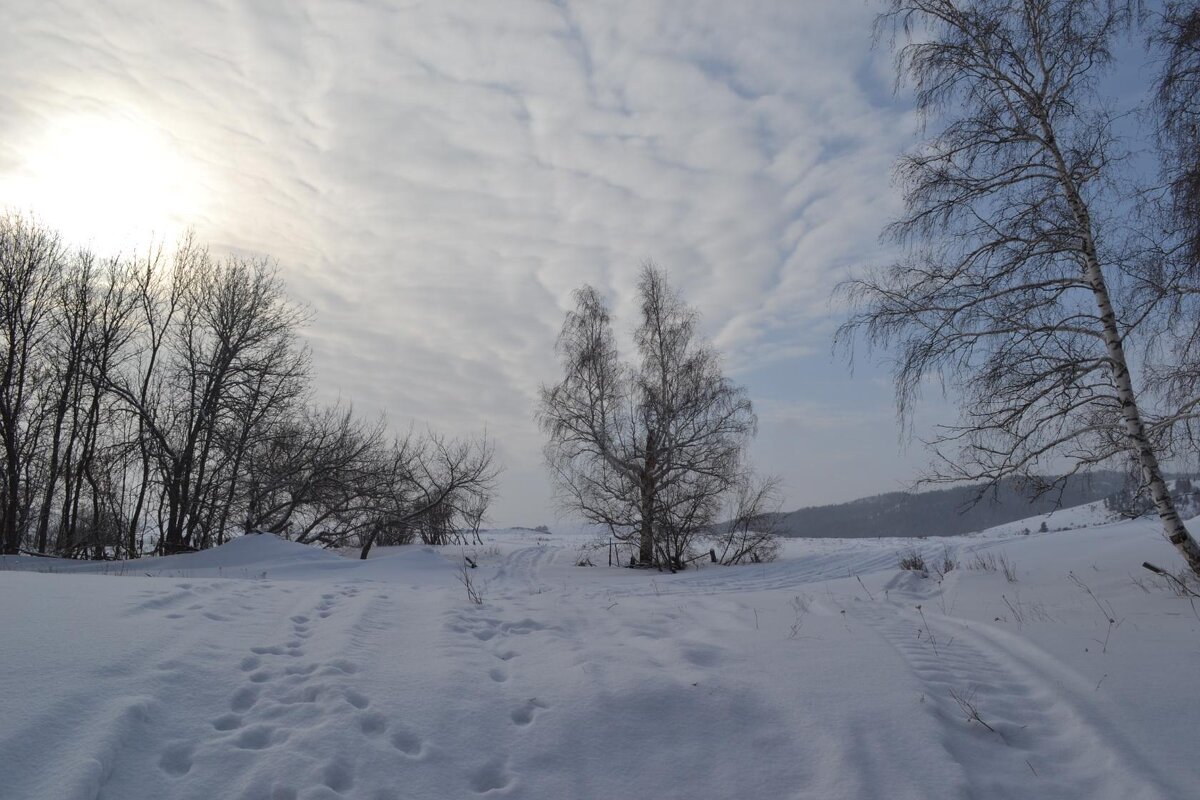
[1135, 429]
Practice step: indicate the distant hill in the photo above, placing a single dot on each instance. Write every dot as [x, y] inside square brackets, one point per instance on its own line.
[943, 512]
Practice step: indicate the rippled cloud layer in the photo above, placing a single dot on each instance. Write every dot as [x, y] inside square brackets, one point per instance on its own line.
[435, 178]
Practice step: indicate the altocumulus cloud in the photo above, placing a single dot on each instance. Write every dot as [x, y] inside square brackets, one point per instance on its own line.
[436, 178]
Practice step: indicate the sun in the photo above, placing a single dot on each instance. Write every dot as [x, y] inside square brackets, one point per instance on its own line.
[108, 182]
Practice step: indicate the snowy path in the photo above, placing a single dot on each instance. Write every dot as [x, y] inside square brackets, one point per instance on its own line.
[1029, 739]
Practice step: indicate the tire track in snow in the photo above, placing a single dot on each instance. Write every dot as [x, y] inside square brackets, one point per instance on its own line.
[522, 569]
[1041, 742]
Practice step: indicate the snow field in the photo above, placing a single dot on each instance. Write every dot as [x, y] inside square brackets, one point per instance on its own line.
[267, 670]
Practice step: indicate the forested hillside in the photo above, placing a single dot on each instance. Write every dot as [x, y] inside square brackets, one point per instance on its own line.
[944, 512]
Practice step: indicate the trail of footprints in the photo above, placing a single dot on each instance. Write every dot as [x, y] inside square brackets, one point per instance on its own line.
[282, 694]
[496, 634]
[216, 601]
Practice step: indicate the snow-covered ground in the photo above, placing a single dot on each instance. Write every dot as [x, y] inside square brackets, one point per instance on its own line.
[267, 670]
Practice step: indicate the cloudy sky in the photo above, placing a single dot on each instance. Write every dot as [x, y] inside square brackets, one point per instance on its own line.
[435, 178]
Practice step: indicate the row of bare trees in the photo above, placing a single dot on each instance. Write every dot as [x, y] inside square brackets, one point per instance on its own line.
[163, 403]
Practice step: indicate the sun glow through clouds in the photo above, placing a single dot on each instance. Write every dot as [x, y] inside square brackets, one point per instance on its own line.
[107, 182]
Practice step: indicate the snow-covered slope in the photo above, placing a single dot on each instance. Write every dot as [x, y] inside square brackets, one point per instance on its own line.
[264, 669]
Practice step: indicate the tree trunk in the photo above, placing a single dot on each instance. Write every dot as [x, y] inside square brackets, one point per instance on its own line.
[646, 544]
[135, 517]
[1135, 429]
[12, 502]
[367, 542]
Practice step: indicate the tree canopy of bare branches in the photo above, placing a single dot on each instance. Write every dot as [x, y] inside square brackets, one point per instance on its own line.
[1021, 284]
[647, 449]
[1177, 102]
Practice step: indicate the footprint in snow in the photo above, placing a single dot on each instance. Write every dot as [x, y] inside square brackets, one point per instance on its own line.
[176, 759]
[272, 650]
[338, 775]
[408, 743]
[524, 714]
[227, 722]
[492, 775]
[373, 724]
[259, 737]
[702, 655]
[243, 699]
[304, 669]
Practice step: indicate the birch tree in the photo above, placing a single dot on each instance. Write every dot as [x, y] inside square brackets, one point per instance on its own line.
[646, 449]
[1018, 274]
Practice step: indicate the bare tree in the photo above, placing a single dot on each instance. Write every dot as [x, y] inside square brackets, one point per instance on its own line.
[473, 517]
[1014, 245]
[647, 450]
[751, 534]
[31, 260]
[311, 473]
[104, 301]
[227, 327]
[430, 484]
[158, 294]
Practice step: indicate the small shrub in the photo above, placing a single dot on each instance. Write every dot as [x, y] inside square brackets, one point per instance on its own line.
[800, 605]
[945, 564]
[985, 562]
[1184, 583]
[1008, 568]
[966, 701]
[989, 562]
[474, 594]
[912, 560]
